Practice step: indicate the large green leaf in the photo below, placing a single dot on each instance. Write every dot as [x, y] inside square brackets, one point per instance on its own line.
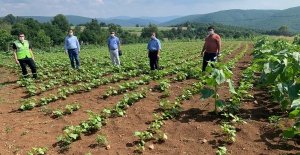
[295, 104]
[294, 114]
[296, 56]
[231, 87]
[206, 93]
[293, 90]
[267, 68]
[220, 104]
[290, 133]
[74, 136]
[227, 72]
[220, 76]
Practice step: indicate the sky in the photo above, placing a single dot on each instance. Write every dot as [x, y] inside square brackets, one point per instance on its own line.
[134, 8]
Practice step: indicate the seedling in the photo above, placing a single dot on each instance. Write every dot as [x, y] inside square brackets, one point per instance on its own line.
[37, 151]
[102, 140]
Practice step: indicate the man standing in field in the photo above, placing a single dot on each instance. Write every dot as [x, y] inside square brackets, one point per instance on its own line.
[154, 48]
[211, 47]
[24, 56]
[114, 47]
[72, 48]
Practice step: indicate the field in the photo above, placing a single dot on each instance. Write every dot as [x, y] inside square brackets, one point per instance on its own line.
[104, 109]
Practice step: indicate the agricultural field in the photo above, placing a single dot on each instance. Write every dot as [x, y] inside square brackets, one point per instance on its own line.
[105, 109]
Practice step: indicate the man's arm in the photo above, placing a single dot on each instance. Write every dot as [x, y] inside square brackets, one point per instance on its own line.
[203, 49]
[15, 56]
[65, 45]
[31, 53]
[77, 44]
[219, 45]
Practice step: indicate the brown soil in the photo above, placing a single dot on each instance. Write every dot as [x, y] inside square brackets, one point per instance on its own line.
[195, 131]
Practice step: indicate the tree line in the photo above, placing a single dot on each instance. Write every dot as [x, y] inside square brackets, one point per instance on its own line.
[49, 34]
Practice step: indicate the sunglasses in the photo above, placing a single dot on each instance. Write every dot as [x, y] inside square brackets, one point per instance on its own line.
[112, 33]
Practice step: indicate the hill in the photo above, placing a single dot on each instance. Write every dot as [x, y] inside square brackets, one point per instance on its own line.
[257, 19]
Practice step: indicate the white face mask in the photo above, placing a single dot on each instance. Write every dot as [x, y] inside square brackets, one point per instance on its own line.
[71, 34]
[112, 35]
[152, 37]
[211, 32]
[21, 38]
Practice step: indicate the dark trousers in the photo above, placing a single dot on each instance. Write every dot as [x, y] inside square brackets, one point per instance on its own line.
[73, 54]
[208, 57]
[153, 60]
[31, 64]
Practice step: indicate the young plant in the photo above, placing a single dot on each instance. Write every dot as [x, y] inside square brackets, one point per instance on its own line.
[229, 132]
[218, 75]
[70, 108]
[102, 140]
[222, 150]
[163, 85]
[28, 104]
[274, 121]
[37, 151]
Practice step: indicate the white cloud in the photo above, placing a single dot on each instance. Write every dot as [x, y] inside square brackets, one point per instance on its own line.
[133, 8]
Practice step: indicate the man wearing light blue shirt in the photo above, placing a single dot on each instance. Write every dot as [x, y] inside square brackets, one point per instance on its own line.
[72, 48]
[154, 48]
[113, 43]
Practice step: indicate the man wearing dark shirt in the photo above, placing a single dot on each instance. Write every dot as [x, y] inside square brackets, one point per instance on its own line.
[23, 55]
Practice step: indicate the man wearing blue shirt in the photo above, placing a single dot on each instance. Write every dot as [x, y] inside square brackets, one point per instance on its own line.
[113, 43]
[154, 48]
[72, 48]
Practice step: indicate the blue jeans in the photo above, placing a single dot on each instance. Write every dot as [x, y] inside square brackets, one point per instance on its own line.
[73, 54]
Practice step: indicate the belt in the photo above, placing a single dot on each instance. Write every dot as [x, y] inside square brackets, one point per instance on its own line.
[153, 50]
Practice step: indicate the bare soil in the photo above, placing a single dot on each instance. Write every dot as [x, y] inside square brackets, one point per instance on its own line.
[195, 131]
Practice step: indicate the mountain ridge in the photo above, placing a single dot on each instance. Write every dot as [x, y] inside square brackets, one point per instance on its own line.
[252, 18]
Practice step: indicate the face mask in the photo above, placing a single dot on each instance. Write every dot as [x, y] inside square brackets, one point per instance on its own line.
[71, 34]
[211, 32]
[152, 37]
[112, 35]
[21, 38]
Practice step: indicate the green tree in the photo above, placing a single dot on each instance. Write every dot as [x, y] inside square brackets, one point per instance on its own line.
[6, 40]
[17, 28]
[42, 40]
[284, 30]
[62, 22]
[146, 31]
[10, 19]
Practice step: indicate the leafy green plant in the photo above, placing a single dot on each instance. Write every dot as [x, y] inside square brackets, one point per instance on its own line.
[70, 108]
[28, 104]
[102, 140]
[144, 136]
[217, 76]
[274, 121]
[229, 132]
[222, 150]
[57, 113]
[163, 85]
[37, 151]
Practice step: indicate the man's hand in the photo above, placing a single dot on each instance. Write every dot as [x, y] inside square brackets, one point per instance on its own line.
[218, 54]
[17, 62]
[66, 52]
[158, 55]
[201, 54]
[78, 51]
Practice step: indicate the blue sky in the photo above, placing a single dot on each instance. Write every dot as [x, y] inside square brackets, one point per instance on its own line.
[134, 8]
